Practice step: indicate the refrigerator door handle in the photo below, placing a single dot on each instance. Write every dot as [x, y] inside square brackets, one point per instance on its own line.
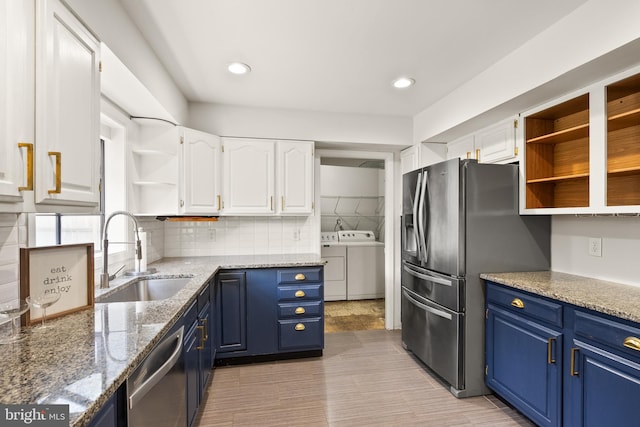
[421, 232]
[425, 307]
[426, 276]
[416, 203]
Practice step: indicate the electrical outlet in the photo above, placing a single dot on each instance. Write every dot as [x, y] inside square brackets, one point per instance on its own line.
[296, 234]
[595, 246]
[212, 234]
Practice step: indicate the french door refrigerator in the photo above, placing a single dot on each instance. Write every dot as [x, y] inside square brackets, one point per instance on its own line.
[460, 218]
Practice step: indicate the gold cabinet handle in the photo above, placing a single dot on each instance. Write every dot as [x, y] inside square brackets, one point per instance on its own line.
[271, 203]
[477, 154]
[300, 310]
[282, 202]
[468, 154]
[550, 359]
[573, 371]
[219, 204]
[299, 327]
[632, 342]
[202, 339]
[300, 276]
[206, 329]
[58, 156]
[29, 147]
[299, 294]
[517, 302]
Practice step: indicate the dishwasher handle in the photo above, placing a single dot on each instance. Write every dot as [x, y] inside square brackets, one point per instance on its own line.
[136, 395]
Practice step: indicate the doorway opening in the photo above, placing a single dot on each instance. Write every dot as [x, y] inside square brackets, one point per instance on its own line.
[352, 208]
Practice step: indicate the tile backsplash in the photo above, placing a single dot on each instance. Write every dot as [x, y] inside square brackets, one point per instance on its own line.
[242, 236]
[12, 227]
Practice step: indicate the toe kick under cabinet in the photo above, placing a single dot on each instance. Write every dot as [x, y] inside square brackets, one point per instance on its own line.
[269, 312]
[560, 364]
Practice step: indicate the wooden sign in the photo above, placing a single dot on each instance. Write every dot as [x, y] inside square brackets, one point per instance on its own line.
[63, 269]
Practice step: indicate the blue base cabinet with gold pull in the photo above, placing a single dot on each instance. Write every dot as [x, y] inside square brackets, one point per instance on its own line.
[524, 353]
[603, 378]
[560, 364]
[269, 312]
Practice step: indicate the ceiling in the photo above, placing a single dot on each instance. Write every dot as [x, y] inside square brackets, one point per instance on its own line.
[335, 55]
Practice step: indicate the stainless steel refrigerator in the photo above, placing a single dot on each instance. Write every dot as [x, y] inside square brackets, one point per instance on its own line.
[460, 218]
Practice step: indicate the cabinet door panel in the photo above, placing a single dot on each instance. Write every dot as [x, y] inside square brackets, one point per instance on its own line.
[232, 312]
[249, 168]
[16, 94]
[518, 365]
[68, 110]
[295, 176]
[605, 390]
[201, 169]
[496, 143]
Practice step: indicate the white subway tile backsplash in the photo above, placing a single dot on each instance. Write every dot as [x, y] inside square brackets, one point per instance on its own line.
[9, 256]
[242, 236]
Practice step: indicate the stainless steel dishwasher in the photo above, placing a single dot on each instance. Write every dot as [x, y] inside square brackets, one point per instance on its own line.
[156, 390]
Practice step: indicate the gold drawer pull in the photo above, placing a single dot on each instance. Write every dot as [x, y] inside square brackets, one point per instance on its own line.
[300, 310]
[550, 359]
[299, 327]
[478, 154]
[29, 147]
[202, 339]
[517, 302]
[300, 276]
[300, 294]
[58, 156]
[632, 342]
[572, 370]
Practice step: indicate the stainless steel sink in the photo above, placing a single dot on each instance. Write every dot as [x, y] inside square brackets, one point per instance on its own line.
[146, 290]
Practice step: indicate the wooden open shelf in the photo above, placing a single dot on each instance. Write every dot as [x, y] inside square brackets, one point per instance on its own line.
[623, 142]
[557, 155]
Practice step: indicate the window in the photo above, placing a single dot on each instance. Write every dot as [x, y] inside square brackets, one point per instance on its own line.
[52, 229]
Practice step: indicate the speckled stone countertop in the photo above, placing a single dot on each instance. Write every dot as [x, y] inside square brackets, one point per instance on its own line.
[606, 297]
[82, 358]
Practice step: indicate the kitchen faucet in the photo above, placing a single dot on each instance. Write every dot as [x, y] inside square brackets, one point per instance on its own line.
[104, 277]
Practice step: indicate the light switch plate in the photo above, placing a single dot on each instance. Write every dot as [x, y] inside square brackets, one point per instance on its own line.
[595, 246]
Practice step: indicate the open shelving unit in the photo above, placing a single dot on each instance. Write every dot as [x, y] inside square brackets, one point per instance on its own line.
[557, 155]
[623, 142]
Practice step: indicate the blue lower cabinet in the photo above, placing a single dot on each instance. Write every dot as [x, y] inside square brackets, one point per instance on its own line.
[269, 311]
[580, 368]
[524, 365]
[111, 413]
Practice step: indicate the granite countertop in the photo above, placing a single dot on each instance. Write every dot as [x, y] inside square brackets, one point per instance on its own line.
[611, 298]
[82, 358]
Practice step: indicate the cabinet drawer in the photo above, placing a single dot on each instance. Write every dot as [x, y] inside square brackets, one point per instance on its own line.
[302, 292]
[528, 305]
[300, 275]
[302, 309]
[608, 332]
[300, 334]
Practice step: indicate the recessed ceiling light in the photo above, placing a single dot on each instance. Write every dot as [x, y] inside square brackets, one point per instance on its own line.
[238, 68]
[403, 82]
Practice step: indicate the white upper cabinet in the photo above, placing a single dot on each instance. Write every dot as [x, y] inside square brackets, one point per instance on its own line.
[497, 143]
[493, 144]
[67, 108]
[295, 177]
[200, 192]
[267, 177]
[408, 160]
[249, 176]
[462, 148]
[16, 101]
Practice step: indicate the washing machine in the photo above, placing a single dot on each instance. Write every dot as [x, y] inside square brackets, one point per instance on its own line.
[354, 266]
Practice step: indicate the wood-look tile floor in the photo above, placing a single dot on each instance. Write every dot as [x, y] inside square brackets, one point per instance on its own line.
[364, 378]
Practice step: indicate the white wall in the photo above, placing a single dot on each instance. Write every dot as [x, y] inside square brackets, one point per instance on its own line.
[108, 20]
[593, 30]
[620, 261]
[353, 195]
[228, 120]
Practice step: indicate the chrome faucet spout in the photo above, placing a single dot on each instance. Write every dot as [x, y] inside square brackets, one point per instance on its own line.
[104, 277]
